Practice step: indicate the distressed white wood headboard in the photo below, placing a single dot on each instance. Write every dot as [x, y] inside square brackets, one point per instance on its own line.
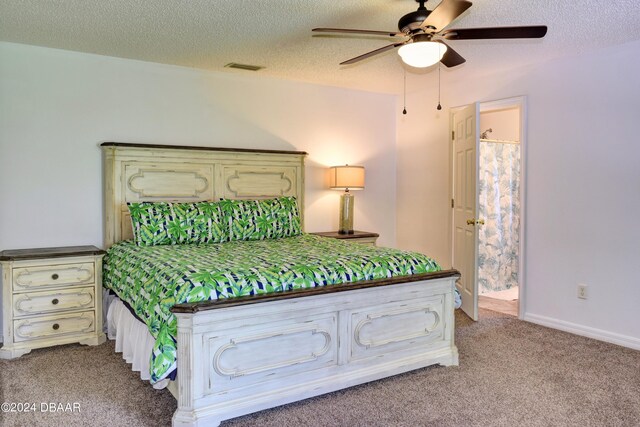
[139, 172]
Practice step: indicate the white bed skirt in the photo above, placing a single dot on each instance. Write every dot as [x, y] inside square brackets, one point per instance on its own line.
[132, 338]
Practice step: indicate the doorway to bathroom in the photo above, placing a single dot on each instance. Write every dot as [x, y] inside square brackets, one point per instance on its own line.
[499, 207]
[487, 204]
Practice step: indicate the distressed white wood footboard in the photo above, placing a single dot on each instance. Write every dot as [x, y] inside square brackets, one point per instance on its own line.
[237, 359]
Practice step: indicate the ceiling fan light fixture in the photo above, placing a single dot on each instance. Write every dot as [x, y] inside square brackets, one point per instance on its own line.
[422, 54]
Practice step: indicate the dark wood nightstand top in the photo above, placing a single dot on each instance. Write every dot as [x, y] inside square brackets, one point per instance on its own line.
[356, 234]
[59, 252]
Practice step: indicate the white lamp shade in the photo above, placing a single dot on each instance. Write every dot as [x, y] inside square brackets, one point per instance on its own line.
[422, 54]
[346, 177]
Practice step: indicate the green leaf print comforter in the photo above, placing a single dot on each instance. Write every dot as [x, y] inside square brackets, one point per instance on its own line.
[152, 279]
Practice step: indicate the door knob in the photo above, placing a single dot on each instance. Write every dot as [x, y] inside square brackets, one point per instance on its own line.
[475, 221]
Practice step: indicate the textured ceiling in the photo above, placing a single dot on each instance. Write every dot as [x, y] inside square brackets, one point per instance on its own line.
[277, 34]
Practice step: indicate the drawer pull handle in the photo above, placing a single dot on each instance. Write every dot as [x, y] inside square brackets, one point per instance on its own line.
[55, 276]
[56, 326]
[54, 301]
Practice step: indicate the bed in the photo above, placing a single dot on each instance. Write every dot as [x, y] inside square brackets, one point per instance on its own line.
[259, 349]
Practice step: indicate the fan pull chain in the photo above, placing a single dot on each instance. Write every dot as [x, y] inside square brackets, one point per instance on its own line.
[404, 102]
[439, 107]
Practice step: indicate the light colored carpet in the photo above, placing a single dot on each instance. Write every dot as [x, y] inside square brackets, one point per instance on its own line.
[511, 373]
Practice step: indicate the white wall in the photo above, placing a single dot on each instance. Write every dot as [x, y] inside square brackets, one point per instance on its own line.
[583, 185]
[505, 124]
[57, 106]
[423, 172]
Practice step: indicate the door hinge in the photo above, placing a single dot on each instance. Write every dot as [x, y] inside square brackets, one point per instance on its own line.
[453, 135]
[452, 204]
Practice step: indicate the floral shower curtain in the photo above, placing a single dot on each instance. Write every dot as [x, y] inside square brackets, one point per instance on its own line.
[499, 206]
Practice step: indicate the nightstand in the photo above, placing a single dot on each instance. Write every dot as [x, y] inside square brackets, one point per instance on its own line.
[362, 237]
[50, 296]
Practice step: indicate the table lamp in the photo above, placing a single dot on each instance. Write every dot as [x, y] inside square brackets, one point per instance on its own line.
[346, 178]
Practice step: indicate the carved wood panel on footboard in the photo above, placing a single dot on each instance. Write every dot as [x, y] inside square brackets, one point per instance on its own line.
[241, 359]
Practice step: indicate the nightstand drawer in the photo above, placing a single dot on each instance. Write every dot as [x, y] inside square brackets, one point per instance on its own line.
[367, 241]
[43, 277]
[53, 326]
[361, 237]
[32, 303]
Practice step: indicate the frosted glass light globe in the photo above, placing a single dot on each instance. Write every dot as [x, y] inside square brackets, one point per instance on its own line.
[422, 54]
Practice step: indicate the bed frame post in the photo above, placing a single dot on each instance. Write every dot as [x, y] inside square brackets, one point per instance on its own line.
[110, 211]
[189, 384]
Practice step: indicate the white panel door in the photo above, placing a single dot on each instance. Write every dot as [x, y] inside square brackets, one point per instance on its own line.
[465, 236]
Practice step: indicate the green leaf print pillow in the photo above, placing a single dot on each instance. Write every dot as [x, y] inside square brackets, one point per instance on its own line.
[162, 223]
[261, 219]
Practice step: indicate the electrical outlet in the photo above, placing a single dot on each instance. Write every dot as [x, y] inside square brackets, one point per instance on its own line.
[582, 291]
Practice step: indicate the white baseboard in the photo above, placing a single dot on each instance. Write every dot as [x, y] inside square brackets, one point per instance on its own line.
[585, 331]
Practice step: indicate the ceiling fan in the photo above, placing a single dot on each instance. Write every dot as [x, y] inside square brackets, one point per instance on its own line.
[424, 33]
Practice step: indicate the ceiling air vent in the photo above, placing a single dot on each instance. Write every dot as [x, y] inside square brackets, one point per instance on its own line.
[243, 66]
